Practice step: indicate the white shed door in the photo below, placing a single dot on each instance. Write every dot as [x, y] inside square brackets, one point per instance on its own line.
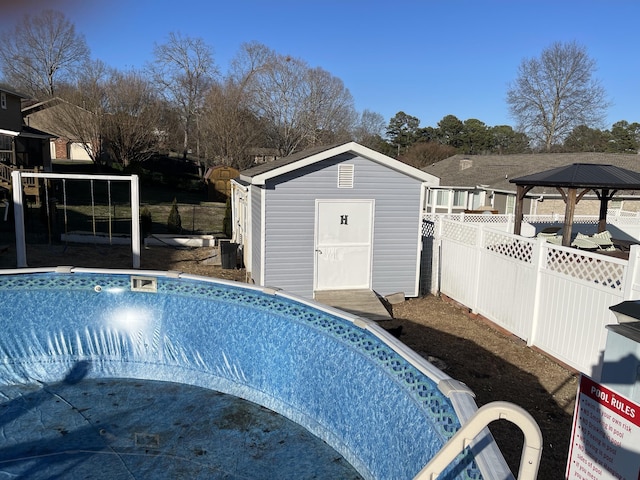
[343, 244]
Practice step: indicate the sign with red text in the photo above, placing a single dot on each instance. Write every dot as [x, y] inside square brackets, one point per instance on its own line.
[605, 440]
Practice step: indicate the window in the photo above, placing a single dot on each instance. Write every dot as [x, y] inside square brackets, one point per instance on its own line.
[442, 198]
[3, 100]
[5, 142]
[6, 151]
[345, 176]
[459, 198]
[511, 205]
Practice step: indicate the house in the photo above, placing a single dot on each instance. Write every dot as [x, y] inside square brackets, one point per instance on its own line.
[263, 155]
[331, 218]
[70, 126]
[481, 183]
[218, 181]
[21, 146]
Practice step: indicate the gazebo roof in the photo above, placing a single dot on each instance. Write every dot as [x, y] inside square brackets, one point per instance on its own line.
[605, 180]
[584, 175]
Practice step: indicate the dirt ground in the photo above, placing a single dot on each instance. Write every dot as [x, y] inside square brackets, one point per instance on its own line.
[495, 365]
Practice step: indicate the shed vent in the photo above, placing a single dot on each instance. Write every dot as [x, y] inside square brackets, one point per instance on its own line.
[345, 176]
[466, 163]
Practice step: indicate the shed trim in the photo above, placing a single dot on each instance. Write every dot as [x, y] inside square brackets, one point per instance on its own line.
[263, 233]
[282, 167]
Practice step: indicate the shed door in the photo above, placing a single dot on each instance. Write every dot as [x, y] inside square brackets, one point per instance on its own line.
[343, 244]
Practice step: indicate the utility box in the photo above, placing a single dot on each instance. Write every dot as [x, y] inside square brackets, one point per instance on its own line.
[228, 254]
[621, 367]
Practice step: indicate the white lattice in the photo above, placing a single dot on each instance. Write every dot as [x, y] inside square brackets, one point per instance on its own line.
[585, 219]
[622, 213]
[543, 218]
[508, 245]
[460, 232]
[586, 266]
[483, 218]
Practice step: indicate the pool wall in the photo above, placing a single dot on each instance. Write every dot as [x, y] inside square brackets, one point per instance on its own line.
[377, 403]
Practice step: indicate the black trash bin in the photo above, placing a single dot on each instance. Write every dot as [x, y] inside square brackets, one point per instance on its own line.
[228, 254]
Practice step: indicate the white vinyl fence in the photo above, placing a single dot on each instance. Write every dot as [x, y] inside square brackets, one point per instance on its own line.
[556, 298]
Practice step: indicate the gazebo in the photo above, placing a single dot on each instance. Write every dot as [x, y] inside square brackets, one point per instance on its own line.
[573, 182]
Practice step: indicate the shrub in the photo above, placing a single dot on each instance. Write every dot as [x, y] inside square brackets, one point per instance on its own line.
[174, 222]
[226, 222]
[146, 222]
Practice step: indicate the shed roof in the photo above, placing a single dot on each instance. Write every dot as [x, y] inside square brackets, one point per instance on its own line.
[584, 175]
[260, 173]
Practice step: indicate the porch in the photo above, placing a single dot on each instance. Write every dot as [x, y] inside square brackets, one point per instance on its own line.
[31, 186]
[363, 303]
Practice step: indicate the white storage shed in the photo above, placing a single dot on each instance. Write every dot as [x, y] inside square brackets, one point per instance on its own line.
[332, 218]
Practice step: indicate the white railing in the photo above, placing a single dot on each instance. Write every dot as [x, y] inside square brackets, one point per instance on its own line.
[622, 223]
[556, 298]
[531, 450]
[18, 202]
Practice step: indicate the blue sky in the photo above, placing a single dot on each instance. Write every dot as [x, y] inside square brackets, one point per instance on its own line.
[426, 58]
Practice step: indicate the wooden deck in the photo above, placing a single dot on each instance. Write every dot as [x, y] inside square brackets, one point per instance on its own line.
[363, 303]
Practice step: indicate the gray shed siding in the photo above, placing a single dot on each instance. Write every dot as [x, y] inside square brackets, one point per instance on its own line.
[290, 223]
[256, 237]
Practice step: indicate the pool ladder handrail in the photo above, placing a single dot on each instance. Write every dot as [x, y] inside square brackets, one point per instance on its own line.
[531, 450]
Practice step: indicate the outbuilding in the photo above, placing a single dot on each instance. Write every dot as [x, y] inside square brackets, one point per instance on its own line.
[336, 217]
[218, 181]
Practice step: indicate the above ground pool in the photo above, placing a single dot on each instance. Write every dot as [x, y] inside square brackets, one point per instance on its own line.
[114, 374]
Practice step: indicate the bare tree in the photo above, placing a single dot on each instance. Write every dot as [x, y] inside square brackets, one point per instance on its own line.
[555, 93]
[277, 94]
[40, 52]
[423, 154]
[229, 127]
[298, 106]
[132, 119]
[329, 112]
[81, 111]
[369, 129]
[184, 69]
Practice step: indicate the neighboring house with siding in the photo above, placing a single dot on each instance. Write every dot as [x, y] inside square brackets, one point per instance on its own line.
[63, 120]
[332, 218]
[481, 182]
[21, 147]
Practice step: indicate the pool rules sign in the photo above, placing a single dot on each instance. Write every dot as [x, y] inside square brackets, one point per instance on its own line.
[605, 440]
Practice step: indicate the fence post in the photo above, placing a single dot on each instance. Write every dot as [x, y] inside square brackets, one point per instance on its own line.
[437, 257]
[632, 275]
[476, 277]
[135, 221]
[18, 212]
[539, 261]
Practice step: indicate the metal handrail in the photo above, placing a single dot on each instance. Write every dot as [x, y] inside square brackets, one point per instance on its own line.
[531, 450]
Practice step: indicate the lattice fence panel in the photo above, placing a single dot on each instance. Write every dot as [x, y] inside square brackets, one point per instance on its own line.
[487, 219]
[460, 232]
[587, 267]
[508, 245]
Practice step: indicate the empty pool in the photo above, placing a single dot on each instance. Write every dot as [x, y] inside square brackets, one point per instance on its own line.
[164, 375]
